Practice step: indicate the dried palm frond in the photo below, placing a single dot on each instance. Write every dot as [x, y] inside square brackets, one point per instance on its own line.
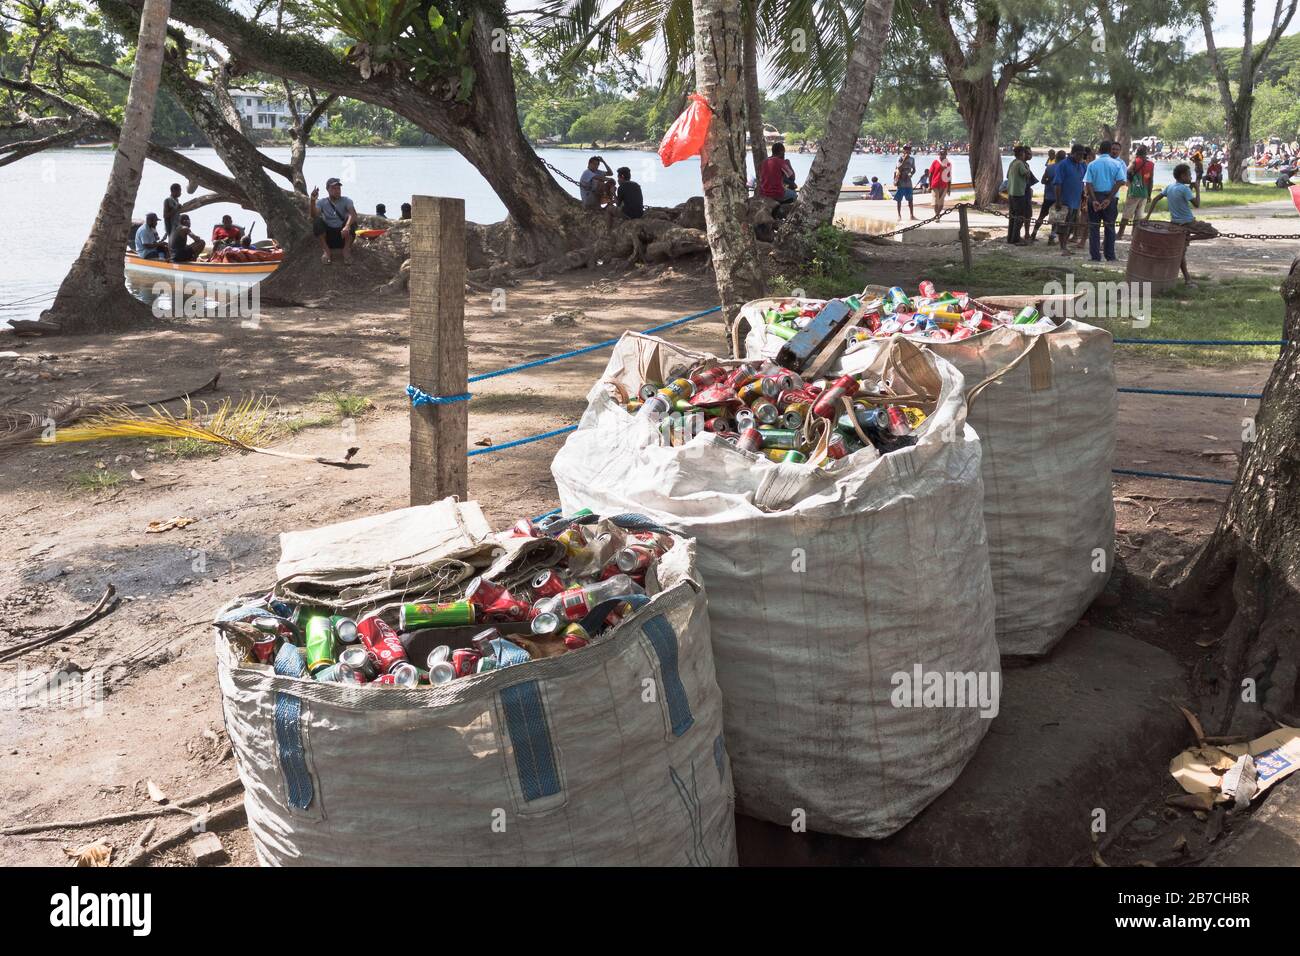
[19, 428]
[244, 426]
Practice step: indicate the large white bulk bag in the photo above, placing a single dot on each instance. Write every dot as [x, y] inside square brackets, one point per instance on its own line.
[824, 587]
[1047, 433]
[611, 755]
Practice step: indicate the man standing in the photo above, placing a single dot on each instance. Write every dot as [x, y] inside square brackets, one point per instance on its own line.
[1140, 173]
[147, 243]
[940, 179]
[1101, 186]
[1067, 178]
[1017, 196]
[776, 176]
[592, 184]
[171, 209]
[629, 198]
[181, 249]
[334, 220]
[903, 174]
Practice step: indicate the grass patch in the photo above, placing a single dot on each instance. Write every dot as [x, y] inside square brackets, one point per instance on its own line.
[187, 448]
[827, 268]
[346, 404]
[292, 426]
[95, 480]
[1233, 308]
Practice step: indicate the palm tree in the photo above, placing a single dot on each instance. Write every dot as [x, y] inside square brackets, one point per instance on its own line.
[719, 79]
[93, 296]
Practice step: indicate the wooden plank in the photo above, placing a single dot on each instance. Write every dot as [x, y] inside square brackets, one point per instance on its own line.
[439, 364]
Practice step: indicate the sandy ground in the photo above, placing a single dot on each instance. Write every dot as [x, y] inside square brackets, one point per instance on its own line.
[159, 716]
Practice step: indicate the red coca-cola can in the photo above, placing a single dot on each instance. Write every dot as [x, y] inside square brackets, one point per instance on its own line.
[483, 593]
[383, 646]
[264, 648]
[523, 528]
[465, 661]
[506, 608]
[547, 584]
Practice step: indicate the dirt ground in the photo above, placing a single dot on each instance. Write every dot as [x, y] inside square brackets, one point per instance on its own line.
[159, 716]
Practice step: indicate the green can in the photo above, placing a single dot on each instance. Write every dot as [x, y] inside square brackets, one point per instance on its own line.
[783, 331]
[451, 614]
[794, 457]
[779, 437]
[1026, 316]
[320, 643]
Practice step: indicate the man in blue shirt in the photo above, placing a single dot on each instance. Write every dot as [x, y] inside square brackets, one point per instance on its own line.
[1067, 178]
[1182, 197]
[147, 243]
[1101, 184]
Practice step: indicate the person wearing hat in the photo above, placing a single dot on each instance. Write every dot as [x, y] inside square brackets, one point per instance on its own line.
[147, 243]
[334, 220]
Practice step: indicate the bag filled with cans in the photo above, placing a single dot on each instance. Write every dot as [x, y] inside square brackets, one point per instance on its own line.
[828, 577]
[543, 695]
[1043, 401]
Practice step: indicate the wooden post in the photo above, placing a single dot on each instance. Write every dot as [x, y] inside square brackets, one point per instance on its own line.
[439, 433]
[965, 236]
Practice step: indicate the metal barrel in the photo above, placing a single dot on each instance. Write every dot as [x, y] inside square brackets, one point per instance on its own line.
[1155, 254]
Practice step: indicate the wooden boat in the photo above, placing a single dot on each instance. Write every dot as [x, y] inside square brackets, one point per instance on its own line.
[209, 273]
[864, 191]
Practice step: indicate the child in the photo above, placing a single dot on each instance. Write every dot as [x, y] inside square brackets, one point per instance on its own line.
[1182, 198]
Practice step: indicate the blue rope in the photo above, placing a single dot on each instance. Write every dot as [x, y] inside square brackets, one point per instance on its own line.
[1187, 394]
[520, 441]
[589, 348]
[1166, 475]
[1200, 342]
[420, 397]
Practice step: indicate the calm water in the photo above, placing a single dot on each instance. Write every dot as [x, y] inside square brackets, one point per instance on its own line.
[56, 195]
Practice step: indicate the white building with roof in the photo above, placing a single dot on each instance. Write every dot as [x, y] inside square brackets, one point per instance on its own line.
[260, 111]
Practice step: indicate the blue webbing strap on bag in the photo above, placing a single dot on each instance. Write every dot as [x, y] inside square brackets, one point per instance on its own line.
[291, 662]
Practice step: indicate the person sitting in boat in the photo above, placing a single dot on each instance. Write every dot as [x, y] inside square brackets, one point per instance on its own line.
[334, 220]
[226, 234]
[406, 210]
[381, 211]
[183, 245]
[147, 243]
[877, 189]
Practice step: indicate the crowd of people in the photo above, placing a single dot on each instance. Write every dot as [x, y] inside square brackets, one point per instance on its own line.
[1081, 197]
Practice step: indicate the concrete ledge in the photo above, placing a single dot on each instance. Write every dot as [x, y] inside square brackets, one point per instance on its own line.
[1086, 728]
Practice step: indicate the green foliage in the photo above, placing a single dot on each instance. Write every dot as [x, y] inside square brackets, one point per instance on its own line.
[828, 268]
[429, 44]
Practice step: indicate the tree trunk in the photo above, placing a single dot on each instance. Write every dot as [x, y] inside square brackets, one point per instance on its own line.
[1250, 567]
[1124, 121]
[753, 96]
[1237, 121]
[980, 105]
[93, 295]
[821, 190]
[718, 72]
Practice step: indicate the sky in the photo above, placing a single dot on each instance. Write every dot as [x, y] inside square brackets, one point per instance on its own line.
[1227, 23]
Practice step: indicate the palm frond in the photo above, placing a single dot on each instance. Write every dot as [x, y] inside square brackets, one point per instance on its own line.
[243, 426]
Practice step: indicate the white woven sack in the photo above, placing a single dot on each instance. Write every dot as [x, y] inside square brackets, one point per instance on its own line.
[824, 587]
[612, 755]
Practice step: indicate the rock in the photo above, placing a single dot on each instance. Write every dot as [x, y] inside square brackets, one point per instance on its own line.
[208, 850]
[566, 318]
